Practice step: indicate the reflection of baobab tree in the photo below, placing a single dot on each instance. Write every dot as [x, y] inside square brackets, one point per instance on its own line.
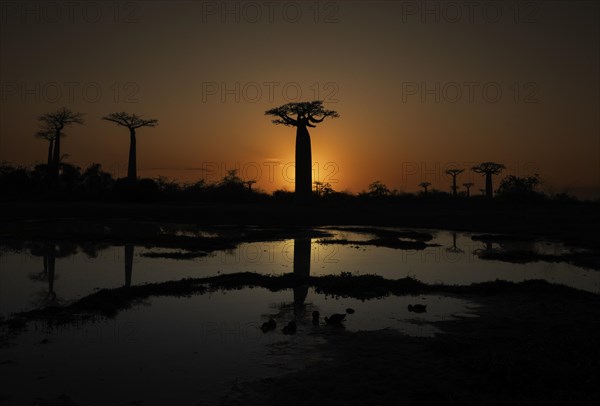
[301, 271]
[49, 251]
[129, 251]
[453, 248]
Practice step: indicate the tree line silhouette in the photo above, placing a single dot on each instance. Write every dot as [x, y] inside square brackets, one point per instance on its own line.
[58, 179]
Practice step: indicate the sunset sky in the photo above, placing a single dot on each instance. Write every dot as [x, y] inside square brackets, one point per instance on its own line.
[416, 85]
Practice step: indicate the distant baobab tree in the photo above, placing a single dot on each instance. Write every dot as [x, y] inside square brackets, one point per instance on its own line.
[52, 129]
[454, 173]
[48, 135]
[488, 169]
[302, 115]
[425, 185]
[132, 122]
[249, 183]
[468, 186]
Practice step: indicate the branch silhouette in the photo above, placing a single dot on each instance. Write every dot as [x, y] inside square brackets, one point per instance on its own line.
[55, 123]
[488, 169]
[131, 122]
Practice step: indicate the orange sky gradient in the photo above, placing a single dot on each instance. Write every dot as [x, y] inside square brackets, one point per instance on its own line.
[368, 60]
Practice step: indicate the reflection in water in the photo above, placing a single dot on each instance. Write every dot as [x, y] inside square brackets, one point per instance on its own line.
[219, 329]
[71, 270]
[49, 251]
[196, 345]
[129, 248]
[453, 248]
[49, 267]
[301, 271]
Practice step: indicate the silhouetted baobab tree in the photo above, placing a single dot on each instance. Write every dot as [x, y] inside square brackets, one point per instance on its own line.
[468, 187]
[424, 185]
[488, 169]
[48, 135]
[56, 122]
[302, 115]
[132, 122]
[454, 173]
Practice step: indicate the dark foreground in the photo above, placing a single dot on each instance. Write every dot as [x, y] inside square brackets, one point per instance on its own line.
[532, 343]
[526, 348]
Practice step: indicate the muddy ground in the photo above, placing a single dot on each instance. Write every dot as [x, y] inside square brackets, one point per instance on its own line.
[530, 347]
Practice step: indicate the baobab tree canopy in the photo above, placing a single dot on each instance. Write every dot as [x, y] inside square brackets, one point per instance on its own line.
[488, 169]
[302, 115]
[60, 119]
[56, 122]
[306, 113]
[131, 121]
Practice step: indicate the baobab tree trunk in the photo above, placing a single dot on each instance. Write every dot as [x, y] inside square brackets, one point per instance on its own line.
[132, 165]
[454, 186]
[56, 152]
[489, 191]
[55, 165]
[50, 146]
[303, 165]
